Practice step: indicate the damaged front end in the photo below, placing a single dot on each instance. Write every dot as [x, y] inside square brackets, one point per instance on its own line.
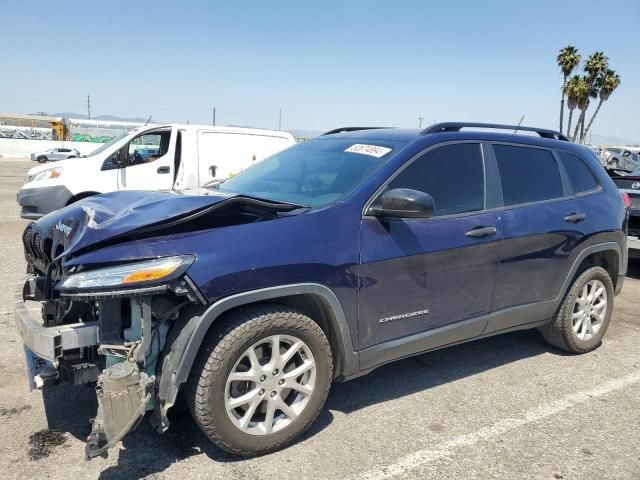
[107, 326]
[115, 322]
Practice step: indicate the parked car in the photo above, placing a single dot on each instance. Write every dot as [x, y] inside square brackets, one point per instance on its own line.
[158, 157]
[620, 158]
[629, 185]
[319, 264]
[55, 154]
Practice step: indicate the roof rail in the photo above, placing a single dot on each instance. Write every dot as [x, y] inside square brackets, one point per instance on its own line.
[456, 126]
[349, 129]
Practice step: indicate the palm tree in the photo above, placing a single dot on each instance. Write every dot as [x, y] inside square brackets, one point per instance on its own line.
[607, 83]
[596, 64]
[568, 58]
[575, 88]
[581, 93]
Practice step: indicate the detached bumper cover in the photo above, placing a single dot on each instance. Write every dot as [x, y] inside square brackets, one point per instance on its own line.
[36, 202]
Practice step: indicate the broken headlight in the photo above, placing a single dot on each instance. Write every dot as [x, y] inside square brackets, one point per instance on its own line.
[138, 274]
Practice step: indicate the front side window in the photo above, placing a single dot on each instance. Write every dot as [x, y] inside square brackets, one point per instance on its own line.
[315, 173]
[452, 174]
[111, 142]
[148, 147]
[580, 175]
[527, 174]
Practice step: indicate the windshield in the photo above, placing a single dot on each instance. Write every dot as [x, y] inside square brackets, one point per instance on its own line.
[115, 139]
[314, 173]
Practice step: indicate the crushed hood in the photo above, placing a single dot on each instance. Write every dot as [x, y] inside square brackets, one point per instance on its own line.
[120, 215]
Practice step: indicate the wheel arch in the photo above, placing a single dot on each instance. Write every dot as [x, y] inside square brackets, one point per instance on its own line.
[607, 255]
[607, 259]
[315, 300]
[80, 196]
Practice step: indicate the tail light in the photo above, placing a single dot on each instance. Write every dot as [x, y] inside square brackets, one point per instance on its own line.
[626, 199]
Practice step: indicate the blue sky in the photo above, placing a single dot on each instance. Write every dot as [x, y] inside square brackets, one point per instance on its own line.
[326, 64]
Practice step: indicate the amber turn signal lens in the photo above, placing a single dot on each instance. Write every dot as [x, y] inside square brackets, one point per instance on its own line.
[148, 275]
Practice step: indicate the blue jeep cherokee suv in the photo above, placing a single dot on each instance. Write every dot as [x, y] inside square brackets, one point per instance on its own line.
[321, 263]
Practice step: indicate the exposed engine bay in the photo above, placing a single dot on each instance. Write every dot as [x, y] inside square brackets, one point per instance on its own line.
[123, 357]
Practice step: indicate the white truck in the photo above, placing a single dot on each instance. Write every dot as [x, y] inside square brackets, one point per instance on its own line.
[158, 157]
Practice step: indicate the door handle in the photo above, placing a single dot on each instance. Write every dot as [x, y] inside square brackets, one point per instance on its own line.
[575, 217]
[164, 169]
[481, 232]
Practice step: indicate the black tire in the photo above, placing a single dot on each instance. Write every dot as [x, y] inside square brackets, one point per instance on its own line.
[224, 346]
[42, 159]
[559, 332]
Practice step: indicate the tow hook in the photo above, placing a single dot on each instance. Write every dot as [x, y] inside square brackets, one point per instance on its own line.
[123, 392]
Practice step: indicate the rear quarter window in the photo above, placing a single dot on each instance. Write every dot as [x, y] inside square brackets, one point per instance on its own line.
[527, 174]
[580, 175]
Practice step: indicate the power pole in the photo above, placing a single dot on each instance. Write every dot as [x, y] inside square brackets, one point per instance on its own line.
[280, 120]
[88, 107]
[420, 122]
[214, 116]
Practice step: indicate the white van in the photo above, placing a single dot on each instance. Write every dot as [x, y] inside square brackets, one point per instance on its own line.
[158, 157]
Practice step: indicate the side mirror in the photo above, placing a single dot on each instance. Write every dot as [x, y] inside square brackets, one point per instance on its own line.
[121, 157]
[404, 203]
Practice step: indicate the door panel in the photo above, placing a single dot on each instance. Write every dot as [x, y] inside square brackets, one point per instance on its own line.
[542, 226]
[150, 162]
[538, 251]
[427, 266]
[421, 274]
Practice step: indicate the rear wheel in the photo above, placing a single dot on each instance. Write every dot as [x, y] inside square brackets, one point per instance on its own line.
[260, 380]
[585, 314]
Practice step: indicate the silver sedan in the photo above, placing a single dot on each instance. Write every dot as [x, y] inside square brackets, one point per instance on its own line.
[55, 154]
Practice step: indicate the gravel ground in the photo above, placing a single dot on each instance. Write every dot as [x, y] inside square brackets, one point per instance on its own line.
[506, 407]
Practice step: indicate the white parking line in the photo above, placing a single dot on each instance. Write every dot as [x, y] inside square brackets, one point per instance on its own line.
[428, 455]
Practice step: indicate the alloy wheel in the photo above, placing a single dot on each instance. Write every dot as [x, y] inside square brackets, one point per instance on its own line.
[270, 384]
[589, 310]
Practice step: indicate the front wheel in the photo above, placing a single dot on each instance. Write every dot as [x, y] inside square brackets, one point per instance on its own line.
[42, 159]
[585, 314]
[260, 380]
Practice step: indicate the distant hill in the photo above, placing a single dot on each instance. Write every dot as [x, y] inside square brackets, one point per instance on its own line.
[298, 133]
[609, 140]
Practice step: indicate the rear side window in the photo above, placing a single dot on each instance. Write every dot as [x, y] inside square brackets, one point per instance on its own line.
[452, 174]
[527, 174]
[580, 175]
